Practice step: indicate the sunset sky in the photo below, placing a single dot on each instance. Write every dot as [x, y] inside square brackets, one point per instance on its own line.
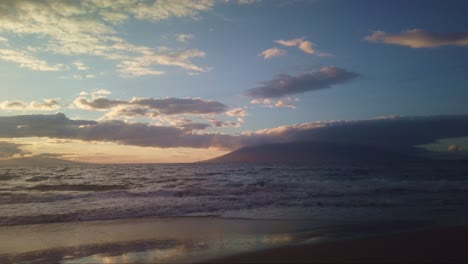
[182, 81]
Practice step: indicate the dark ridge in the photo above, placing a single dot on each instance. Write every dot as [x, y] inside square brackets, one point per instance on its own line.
[38, 161]
[311, 152]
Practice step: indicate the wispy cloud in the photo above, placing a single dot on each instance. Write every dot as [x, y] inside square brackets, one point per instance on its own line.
[247, 2]
[183, 37]
[280, 103]
[304, 45]
[416, 38]
[285, 84]
[237, 112]
[273, 52]
[82, 28]
[140, 66]
[80, 66]
[26, 60]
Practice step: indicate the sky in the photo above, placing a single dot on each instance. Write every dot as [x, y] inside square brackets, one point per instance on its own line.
[129, 81]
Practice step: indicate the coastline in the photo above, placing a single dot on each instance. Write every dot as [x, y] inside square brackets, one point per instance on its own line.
[145, 240]
[440, 245]
[226, 240]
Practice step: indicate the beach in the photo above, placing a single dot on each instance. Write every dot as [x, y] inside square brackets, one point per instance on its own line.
[145, 240]
[218, 240]
[445, 245]
[192, 213]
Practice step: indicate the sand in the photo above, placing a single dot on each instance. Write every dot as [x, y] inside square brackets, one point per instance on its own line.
[143, 240]
[448, 245]
[219, 240]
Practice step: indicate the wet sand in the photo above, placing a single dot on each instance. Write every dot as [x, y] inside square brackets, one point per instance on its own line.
[447, 245]
[220, 240]
[144, 240]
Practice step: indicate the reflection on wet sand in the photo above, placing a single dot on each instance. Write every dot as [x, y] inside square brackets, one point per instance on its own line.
[189, 250]
[150, 251]
[144, 240]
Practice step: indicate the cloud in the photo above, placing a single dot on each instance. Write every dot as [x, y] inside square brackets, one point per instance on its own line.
[393, 133]
[46, 105]
[143, 106]
[26, 60]
[58, 126]
[140, 66]
[220, 123]
[82, 28]
[247, 2]
[281, 103]
[171, 106]
[416, 38]
[290, 43]
[8, 150]
[273, 52]
[164, 9]
[304, 45]
[183, 37]
[101, 104]
[285, 84]
[237, 112]
[80, 66]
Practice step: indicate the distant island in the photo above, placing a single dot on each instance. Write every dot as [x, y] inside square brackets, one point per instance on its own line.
[38, 161]
[310, 152]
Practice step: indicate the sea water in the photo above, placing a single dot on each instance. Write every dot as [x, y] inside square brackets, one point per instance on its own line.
[221, 207]
[435, 191]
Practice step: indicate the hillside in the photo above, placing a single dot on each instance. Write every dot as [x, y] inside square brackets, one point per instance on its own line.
[308, 152]
[37, 161]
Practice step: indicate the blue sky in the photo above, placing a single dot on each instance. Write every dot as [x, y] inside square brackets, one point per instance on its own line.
[307, 61]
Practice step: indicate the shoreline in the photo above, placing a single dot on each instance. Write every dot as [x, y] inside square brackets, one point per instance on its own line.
[439, 245]
[144, 240]
[222, 240]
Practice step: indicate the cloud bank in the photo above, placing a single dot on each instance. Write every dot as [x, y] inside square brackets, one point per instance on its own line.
[393, 133]
[416, 38]
[141, 106]
[8, 150]
[285, 84]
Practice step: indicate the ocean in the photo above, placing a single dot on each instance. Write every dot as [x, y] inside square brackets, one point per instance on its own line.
[332, 200]
[31, 195]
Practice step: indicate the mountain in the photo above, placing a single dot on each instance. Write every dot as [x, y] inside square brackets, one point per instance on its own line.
[37, 161]
[309, 152]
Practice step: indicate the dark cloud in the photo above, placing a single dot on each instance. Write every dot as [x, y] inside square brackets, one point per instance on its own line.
[8, 150]
[172, 106]
[194, 126]
[97, 103]
[167, 106]
[285, 84]
[417, 38]
[60, 127]
[395, 133]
